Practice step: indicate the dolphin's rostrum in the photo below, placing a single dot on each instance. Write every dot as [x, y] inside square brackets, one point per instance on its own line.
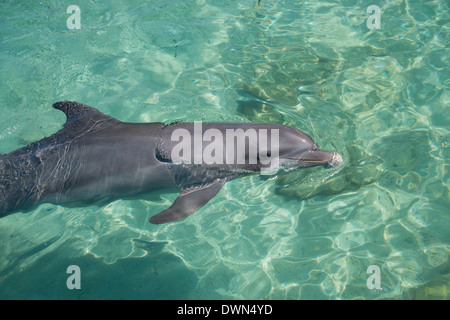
[96, 159]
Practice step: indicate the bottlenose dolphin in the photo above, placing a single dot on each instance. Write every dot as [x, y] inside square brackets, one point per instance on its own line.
[95, 159]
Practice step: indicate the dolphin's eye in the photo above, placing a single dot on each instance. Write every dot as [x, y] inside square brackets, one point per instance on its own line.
[315, 147]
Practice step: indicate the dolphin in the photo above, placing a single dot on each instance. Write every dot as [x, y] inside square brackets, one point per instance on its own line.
[95, 159]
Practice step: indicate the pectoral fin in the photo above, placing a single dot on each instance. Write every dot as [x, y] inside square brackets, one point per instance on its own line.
[190, 199]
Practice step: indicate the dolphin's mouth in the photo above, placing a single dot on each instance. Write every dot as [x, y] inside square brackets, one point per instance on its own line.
[320, 157]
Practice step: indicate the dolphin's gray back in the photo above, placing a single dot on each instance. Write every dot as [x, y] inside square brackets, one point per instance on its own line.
[14, 177]
[93, 157]
[107, 163]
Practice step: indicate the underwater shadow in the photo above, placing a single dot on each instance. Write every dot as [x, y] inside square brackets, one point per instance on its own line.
[158, 275]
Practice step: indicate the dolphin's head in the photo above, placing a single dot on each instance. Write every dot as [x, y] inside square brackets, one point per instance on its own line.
[297, 149]
[242, 147]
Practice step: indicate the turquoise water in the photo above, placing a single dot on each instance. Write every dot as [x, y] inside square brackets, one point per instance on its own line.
[378, 96]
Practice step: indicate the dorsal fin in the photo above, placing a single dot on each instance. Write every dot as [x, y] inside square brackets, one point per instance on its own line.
[81, 114]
